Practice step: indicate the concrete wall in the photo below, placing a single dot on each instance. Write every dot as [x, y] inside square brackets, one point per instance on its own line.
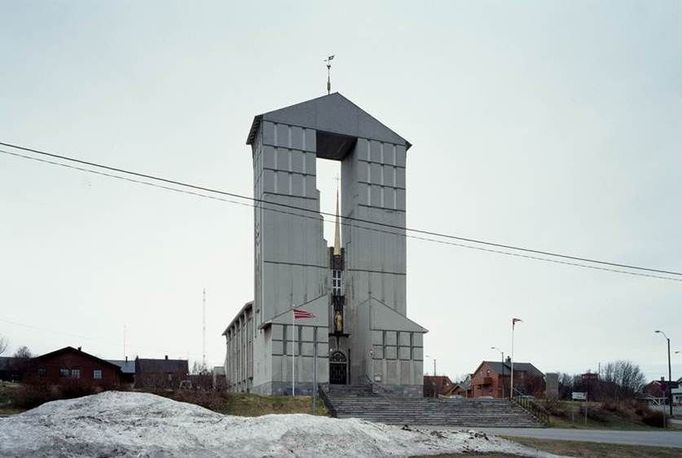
[291, 265]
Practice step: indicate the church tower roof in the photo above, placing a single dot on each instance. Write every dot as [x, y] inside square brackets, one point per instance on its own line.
[332, 113]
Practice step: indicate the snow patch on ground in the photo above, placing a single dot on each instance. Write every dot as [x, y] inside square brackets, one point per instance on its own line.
[141, 424]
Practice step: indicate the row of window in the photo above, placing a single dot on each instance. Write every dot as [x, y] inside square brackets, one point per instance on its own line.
[71, 373]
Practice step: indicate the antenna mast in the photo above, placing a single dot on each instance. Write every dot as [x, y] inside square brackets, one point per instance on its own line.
[328, 60]
[203, 331]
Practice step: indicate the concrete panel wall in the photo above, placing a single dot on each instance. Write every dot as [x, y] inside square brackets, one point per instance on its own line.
[290, 252]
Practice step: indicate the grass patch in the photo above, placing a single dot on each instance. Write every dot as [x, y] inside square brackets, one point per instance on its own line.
[624, 415]
[597, 450]
[245, 405]
[8, 394]
[253, 405]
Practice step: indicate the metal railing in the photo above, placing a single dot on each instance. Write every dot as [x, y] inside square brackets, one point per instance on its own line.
[530, 406]
[325, 399]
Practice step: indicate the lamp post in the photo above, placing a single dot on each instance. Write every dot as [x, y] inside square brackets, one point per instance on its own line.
[511, 377]
[670, 393]
[434, 363]
[502, 353]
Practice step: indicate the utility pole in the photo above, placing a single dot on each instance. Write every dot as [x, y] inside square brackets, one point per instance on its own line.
[670, 377]
[511, 377]
[203, 331]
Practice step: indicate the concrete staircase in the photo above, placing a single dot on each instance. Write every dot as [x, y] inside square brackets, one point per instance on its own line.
[361, 402]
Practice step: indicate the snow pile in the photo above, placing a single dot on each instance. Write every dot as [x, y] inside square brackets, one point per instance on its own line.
[142, 424]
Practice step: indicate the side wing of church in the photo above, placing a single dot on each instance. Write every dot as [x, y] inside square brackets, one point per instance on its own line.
[355, 290]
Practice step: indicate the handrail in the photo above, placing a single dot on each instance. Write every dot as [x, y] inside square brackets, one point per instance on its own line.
[377, 388]
[327, 402]
[531, 407]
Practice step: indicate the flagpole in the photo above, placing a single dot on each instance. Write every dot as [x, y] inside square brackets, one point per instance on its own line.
[293, 352]
[511, 377]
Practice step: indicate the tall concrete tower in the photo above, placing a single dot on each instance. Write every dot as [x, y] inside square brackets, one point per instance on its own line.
[357, 292]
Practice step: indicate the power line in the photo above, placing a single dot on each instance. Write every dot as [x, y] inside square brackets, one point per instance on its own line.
[316, 218]
[260, 203]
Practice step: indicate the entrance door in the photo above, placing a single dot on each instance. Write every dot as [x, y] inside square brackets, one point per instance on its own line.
[338, 368]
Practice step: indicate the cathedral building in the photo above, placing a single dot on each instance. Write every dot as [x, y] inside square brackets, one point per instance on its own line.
[332, 314]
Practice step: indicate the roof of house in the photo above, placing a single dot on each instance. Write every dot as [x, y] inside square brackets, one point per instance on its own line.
[148, 365]
[505, 368]
[127, 365]
[77, 351]
[330, 113]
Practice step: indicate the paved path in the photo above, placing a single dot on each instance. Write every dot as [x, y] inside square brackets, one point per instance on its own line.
[655, 438]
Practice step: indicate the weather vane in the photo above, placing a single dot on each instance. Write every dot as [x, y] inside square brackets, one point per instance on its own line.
[328, 60]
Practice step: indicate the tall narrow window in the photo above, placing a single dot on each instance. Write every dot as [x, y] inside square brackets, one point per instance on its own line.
[336, 283]
[284, 339]
[300, 340]
[383, 343]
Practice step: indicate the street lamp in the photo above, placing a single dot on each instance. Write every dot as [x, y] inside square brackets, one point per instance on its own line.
[502, 353]
[434, 363]
[670, 377]
[511, 377]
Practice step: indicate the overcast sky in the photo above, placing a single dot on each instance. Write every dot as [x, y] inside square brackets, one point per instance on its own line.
[552, 125]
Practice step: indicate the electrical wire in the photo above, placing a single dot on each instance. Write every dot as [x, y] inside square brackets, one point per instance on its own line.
[346, 221]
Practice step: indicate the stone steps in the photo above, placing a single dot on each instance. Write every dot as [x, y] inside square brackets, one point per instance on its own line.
[361, 402]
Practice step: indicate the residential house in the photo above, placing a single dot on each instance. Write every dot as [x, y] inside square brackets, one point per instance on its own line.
[160, 373]
[69, 365]
[438, 385]
[127, 368]
[492, 378]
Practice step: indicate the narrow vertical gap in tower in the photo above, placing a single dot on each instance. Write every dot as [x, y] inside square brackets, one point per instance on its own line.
[328, 181]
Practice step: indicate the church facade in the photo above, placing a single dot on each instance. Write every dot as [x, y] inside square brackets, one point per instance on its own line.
[350, 297]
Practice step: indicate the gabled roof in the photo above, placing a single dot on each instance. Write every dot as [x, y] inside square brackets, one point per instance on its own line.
[160, 366]
[77, 351]
[498, 367]
[390, 319]
[127, 365]
[330, 113]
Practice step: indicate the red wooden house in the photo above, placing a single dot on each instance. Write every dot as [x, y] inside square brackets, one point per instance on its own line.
[72, 365]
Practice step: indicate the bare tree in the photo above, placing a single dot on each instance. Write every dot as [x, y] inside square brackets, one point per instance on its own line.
[3, 344]
[23, 352]
[621, 380]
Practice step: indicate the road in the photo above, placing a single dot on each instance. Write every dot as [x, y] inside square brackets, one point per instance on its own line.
[654, 438]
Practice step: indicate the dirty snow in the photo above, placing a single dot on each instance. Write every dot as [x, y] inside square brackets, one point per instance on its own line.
[141, 424]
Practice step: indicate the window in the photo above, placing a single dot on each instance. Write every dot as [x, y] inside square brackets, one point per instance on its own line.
[97, 374]
[284, 339]
[64, 372]
[383, 344]
[336, 282]
[75, 373]
[42, 372]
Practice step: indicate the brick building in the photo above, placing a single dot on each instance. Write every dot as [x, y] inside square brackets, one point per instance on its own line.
[438, 385]
[492, 378]
[70, 365]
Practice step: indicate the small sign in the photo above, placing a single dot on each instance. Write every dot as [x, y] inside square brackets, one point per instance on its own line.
[579, 396]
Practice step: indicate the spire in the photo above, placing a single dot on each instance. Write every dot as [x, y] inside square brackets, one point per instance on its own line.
[337, 231]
